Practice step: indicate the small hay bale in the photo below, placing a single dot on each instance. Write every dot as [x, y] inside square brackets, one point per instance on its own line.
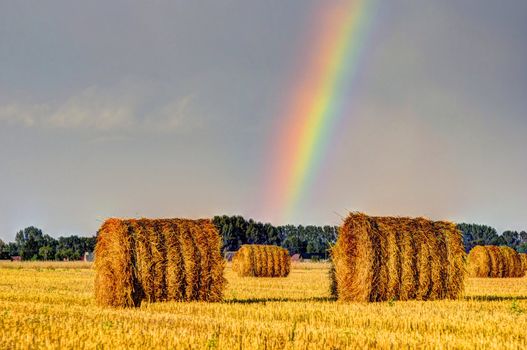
[389, 258]
[478, 262]
[157, 260]
[256, 260]
[495, 262]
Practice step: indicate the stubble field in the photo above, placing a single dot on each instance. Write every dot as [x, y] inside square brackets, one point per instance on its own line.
[51, 305]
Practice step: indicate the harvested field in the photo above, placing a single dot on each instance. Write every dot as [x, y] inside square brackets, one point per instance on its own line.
[54, 308]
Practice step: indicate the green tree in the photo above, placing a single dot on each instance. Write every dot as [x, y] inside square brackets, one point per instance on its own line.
[12, 249]
[512, 239]
[74, 247]
[474, 234]
[46, 252]
[4, 253]
[29, 241]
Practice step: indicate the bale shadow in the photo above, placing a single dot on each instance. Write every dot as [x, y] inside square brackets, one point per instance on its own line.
[494, 298]
[279, 300]
[332, 299]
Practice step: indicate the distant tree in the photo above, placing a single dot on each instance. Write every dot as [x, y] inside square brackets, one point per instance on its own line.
[511, 238]
[74, 247]
[29, 242]
[67, 254]
[272, 235]
[233, 230]
[46, 253]
[474, 234]
[522, 247]
[310, 240]
[523, 236]
[295, 239]
[48, 249]
[12, 249]
[4, 253]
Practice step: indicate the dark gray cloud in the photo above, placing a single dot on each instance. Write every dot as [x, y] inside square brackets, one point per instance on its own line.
[167, 108]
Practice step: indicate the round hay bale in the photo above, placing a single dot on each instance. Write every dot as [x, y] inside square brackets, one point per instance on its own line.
[332, 280]
[453, 277]
[425, 241]
[512, 262]
[157, 260]
[255, 260]
[523, 258]
[381, 277]
[353, 259]
[275, 257]
[493, 261]
[175, 278]
[439, 258]
[496, 262]
[393, 256]
[116, 282]
[409, 279]
[388, 258]
[479, 262]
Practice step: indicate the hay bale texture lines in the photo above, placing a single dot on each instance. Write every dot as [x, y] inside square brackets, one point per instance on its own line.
[392, 258]
[523, 258]
[157, 260]
[256, 260]
[495, 262]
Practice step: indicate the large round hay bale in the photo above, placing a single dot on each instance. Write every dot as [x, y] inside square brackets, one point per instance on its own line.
[493, 261]
[496, 262]
[157, 260]
[513, 262]
[388, 258]
[256, 260]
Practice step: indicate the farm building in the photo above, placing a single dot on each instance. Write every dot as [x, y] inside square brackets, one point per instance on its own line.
[296, 258]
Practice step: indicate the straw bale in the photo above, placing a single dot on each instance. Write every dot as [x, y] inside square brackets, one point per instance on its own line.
[493, 261]
[523, 258]
[255, 260]
[391, 258]
[157, 260]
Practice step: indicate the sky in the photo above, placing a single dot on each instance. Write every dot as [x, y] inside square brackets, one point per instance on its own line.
[172, 108]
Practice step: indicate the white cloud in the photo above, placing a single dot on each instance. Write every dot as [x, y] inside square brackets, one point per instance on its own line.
[104, 110]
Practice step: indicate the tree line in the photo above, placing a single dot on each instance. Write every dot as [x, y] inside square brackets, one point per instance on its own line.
[31, 244]
[316, 240]
[474, 234]
[309, 241]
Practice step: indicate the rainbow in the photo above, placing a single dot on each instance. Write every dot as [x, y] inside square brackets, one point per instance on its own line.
[315, 105]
